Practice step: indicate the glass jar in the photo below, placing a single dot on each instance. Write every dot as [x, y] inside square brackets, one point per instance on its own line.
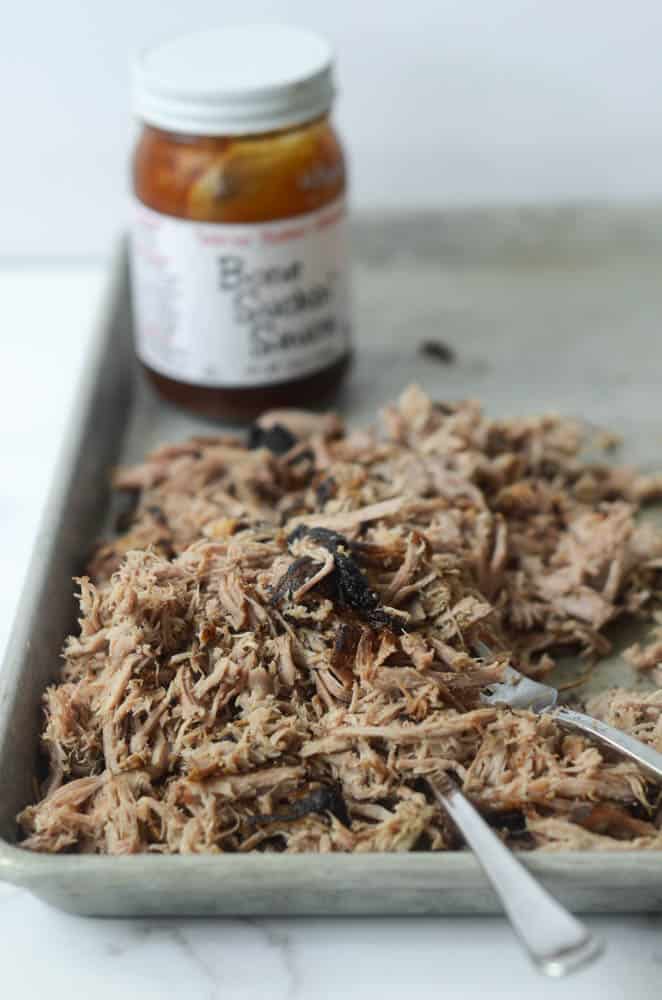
[239, 243]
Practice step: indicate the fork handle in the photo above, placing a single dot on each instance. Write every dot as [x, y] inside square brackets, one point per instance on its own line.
[554, 939]
[647, 757]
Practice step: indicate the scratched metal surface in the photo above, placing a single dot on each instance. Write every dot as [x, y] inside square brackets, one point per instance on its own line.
[546, 309]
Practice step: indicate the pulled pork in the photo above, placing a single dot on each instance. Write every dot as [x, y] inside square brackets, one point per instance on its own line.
[280, 643]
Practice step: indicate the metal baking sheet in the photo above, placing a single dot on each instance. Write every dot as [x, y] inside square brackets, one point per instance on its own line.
[546, 309]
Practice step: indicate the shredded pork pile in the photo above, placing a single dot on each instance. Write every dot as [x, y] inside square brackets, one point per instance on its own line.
[280, 644]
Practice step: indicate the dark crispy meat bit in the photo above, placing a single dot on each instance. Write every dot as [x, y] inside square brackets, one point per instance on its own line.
[277, 438]
[306, 455]
[325, 490]
[330, 540]
[325, 799]
[437, 350]
[296, 575]
[352, 587]
[512, 820]
[349, 585]
[378, 618]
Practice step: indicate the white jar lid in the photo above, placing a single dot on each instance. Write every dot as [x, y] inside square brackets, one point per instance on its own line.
[235, 80]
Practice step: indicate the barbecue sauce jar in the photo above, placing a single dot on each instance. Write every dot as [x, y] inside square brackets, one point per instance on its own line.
[239, 255]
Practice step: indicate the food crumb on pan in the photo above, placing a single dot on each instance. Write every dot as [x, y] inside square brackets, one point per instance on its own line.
[437, 350]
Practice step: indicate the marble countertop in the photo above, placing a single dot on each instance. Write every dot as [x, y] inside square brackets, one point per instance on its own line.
[47, 317]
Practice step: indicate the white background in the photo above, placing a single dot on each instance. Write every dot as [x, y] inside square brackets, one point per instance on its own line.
[443, 102]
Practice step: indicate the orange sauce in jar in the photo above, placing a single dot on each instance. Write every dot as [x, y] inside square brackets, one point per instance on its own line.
[239, 254]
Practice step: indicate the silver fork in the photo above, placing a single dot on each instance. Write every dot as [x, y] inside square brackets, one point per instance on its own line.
[555, 940]
[519, 691]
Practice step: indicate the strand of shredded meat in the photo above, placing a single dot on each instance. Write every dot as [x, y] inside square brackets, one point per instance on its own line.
[280, 644]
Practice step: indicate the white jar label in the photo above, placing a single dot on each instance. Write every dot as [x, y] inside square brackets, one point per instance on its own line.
[228, 305]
